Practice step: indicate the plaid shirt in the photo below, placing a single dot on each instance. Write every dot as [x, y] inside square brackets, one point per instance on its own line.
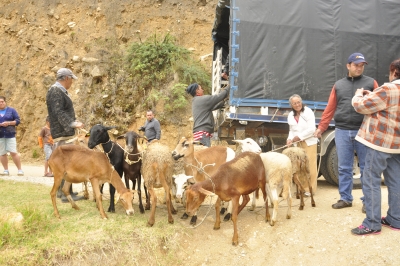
[380, 129]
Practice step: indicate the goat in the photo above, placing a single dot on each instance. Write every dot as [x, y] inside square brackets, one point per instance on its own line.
[157, 168]
[301, 172]
[132, 165]
[115, 153]
[76, 164]
[232, 180]
[278, 170]
[202, 163]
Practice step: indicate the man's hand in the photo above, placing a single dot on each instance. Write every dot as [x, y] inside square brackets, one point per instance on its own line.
[361, 92]
[77, 124]
[141, 129]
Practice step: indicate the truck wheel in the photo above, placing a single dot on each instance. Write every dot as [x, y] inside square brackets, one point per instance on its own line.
[329, 167]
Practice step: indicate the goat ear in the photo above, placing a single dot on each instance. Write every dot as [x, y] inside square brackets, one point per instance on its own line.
[191, 180]
[206, 192]
[108, 128]
[133, 190]
[121, 137]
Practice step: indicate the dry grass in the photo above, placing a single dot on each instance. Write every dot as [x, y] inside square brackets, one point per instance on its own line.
[80, 237]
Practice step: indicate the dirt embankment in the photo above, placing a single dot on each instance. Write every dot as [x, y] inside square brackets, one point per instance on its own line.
[41, 36]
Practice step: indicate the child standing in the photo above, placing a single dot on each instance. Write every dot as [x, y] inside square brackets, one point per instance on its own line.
[46, 143]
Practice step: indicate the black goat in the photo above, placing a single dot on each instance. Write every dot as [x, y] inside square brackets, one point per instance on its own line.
[132, 165]
[115, 153]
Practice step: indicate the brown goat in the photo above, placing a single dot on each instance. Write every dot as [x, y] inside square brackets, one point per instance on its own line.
[233, 179]
[77, 164]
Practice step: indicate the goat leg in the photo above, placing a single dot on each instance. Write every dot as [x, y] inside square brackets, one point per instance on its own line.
[53, 192]
[235, 203]
[217, 223]
[97, 194]
[139, 191]
[66, 191]
[153, 196]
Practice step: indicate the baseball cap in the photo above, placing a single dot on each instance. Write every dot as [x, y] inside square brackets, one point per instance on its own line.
[356, 58]
[65, 72]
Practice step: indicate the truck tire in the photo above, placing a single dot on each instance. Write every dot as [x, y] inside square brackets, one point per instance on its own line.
[329, 167]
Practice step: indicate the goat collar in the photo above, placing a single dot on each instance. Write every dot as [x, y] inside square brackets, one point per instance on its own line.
[112, 146]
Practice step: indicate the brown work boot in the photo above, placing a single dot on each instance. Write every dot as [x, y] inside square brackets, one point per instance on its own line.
[341, 204]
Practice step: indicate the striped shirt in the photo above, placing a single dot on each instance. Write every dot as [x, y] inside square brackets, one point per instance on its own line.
[197, 135]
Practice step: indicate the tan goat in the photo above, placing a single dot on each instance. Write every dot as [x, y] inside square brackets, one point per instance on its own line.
[76, 165]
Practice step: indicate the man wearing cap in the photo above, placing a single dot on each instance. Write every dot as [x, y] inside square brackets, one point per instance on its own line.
[62, 116]
[347, 124]
[202, 107]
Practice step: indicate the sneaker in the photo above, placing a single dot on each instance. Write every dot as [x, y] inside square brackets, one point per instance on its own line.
[364, 231]
[5, 172]
[341, 204]
[363, 209]
[20, 172]
[384, 222]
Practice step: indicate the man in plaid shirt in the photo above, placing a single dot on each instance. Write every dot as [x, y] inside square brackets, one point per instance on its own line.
[380, 132]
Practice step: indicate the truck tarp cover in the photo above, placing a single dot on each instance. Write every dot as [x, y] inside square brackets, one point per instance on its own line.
[292, 46]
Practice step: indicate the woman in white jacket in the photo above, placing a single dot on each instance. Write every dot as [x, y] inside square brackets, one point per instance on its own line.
[301, 122]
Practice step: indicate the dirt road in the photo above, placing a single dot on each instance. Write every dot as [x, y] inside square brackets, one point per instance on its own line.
[314, 236]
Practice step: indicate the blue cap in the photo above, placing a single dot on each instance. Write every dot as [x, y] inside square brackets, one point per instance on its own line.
[356, 58]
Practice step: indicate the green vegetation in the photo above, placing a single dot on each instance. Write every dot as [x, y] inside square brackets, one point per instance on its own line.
[81, 236]
[152, 74]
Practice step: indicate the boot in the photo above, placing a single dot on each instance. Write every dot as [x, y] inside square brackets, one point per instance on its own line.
[74, 196]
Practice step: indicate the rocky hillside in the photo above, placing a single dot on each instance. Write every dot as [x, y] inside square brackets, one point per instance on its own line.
[40, 36]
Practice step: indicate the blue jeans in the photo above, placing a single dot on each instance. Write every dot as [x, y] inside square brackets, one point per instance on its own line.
[376, 163]
[345, 147]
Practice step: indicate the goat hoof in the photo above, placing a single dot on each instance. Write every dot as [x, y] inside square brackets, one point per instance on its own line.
[193, 221]
[216, 227]
[171, 221]
[174, 211]
[301, 208]
[222, 211]
[234, 243]
[227, 217]
[313, 205]
[147, 207]
[141, 210]
[184, 216]
[149, 225]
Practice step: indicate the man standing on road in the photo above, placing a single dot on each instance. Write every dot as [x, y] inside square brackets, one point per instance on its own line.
[62, 117]
[347, 123]
[151, 128]
[380, 133]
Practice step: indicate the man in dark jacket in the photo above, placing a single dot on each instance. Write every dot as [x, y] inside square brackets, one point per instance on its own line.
[151, 128]
[202, 107]
[347, 124]
[62, 116]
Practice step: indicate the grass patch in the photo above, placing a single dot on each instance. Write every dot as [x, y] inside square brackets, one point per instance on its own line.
[81, 237]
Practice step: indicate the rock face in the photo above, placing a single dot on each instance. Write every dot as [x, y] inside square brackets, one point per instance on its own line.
[39, 37]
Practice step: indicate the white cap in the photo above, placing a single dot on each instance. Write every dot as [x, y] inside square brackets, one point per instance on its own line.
[65, 72]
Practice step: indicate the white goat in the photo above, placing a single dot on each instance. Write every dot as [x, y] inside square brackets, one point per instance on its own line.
[278, 170]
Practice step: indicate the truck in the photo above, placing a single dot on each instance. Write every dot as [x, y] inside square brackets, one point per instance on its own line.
[277, 48]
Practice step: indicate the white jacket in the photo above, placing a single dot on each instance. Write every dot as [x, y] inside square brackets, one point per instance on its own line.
[304, 128]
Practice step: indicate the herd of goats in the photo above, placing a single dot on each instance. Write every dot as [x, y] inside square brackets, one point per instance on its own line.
[189, 174]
